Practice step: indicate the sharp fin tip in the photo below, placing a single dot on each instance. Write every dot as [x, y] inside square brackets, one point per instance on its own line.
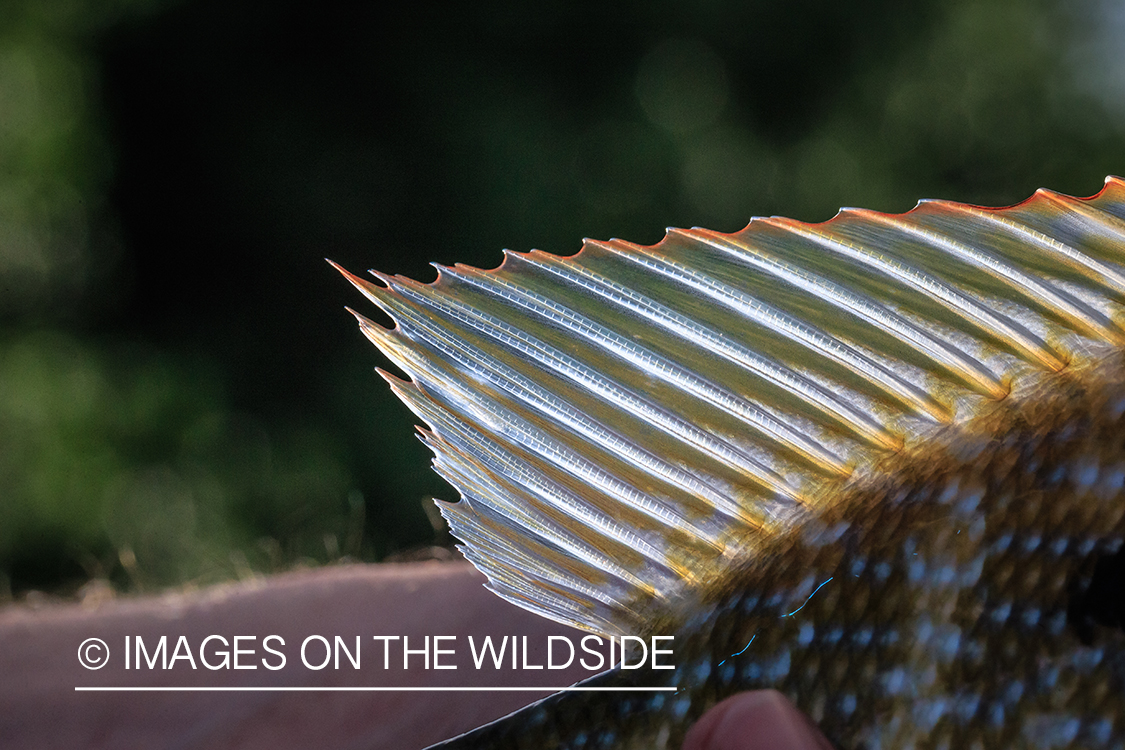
[355, 280]
[369, 290]
[388, 376]
[365, 323]
[386, 279]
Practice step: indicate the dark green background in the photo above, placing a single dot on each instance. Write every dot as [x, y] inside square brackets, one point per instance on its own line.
[183, 397]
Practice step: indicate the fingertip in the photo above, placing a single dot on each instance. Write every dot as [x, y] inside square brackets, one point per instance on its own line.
[756, 720]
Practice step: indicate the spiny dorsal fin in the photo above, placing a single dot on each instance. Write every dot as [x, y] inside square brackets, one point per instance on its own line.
[626, 424]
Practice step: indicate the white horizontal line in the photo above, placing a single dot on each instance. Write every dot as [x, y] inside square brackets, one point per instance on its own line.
[290, 689]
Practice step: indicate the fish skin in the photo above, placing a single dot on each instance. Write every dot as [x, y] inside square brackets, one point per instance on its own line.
[941, 618]
[948, 580]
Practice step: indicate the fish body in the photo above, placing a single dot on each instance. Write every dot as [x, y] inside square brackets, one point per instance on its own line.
[877, 464]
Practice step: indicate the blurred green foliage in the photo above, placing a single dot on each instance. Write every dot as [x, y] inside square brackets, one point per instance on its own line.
[117, 460]
[128, 463]
[181, 398]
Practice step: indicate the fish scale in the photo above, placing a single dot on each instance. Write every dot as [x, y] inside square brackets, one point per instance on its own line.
[941, 615]
[877, 464]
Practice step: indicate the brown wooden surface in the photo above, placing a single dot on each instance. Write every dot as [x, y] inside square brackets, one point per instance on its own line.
[39, 666]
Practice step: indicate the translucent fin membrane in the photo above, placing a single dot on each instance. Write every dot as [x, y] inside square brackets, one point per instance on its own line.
[626, 424]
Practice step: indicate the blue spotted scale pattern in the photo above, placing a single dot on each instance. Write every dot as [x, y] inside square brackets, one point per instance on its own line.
[876, 463]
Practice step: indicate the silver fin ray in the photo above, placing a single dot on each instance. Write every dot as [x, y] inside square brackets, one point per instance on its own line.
[626, 425]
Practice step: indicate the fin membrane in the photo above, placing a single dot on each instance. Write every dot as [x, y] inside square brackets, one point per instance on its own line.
[626, 424]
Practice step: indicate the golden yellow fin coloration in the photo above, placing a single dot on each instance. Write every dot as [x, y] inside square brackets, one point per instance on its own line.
[876, 463]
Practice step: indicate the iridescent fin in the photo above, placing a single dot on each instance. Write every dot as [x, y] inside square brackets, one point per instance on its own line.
[627, 424]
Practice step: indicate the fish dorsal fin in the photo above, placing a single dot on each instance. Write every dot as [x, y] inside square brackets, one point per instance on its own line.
[628, 424]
